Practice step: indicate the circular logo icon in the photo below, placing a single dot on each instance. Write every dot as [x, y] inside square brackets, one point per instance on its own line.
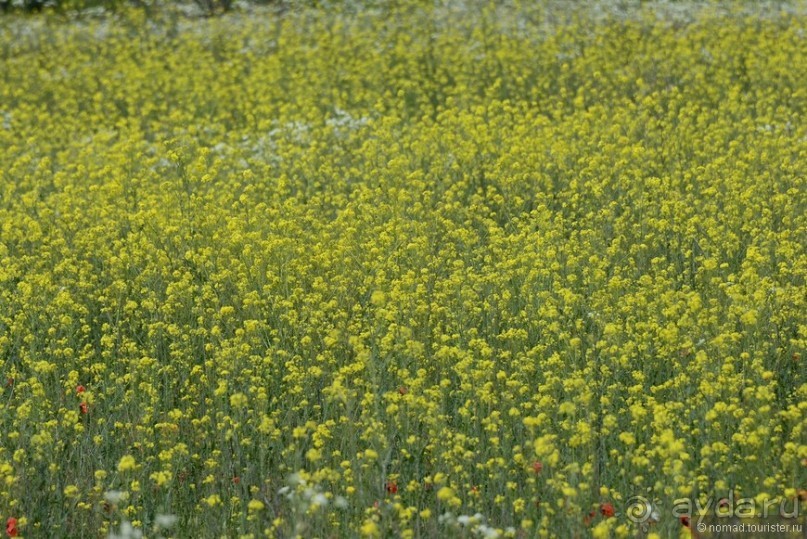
[638, 509]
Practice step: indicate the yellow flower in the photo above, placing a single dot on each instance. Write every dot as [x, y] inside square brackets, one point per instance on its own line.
[238, 400]
[213, 500]
[445, 494]
[127, 463]
[370, 529]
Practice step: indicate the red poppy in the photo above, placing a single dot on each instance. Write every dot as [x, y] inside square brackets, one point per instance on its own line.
[80, 389]
[684, 521]
[11, 527]
[392, 487]
[607, 510]
[537, 466]
[236, 480]
[590, 517]
[84, 407]
[402, 390]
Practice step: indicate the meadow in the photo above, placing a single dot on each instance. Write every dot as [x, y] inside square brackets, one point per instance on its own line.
[401, 269]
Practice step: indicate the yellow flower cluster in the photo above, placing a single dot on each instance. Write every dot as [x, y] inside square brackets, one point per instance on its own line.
[416, 269]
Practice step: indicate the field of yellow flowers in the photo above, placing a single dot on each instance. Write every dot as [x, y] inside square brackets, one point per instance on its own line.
[412, 269]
